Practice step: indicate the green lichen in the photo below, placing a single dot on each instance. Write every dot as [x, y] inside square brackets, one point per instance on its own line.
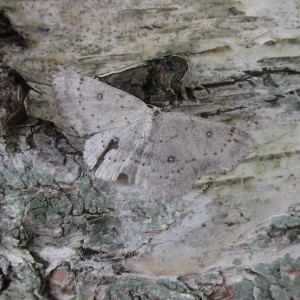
[237, 261]
[274, 279]
[104, 235]
[243, 290]
[133, 287]
[284, 222]
[262, 286]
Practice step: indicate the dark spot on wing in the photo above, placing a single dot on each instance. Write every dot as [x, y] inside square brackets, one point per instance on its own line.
[99, 96]
[171, 159]
[209, 134]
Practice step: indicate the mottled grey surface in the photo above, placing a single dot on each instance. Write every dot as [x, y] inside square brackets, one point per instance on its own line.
[65, 235]
[162, 152]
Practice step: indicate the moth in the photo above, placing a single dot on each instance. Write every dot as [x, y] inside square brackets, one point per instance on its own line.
[127, 140]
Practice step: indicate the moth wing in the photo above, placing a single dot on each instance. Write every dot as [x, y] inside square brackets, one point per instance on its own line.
[117, 152]
[181, 147]
[86, 105]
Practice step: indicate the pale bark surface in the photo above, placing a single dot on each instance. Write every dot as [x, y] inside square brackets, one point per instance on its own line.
[235, 236]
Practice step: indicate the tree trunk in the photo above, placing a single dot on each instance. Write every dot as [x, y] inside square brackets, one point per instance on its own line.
[65, 235]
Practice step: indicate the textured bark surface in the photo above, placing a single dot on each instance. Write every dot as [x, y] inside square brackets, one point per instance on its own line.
[235, 236]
